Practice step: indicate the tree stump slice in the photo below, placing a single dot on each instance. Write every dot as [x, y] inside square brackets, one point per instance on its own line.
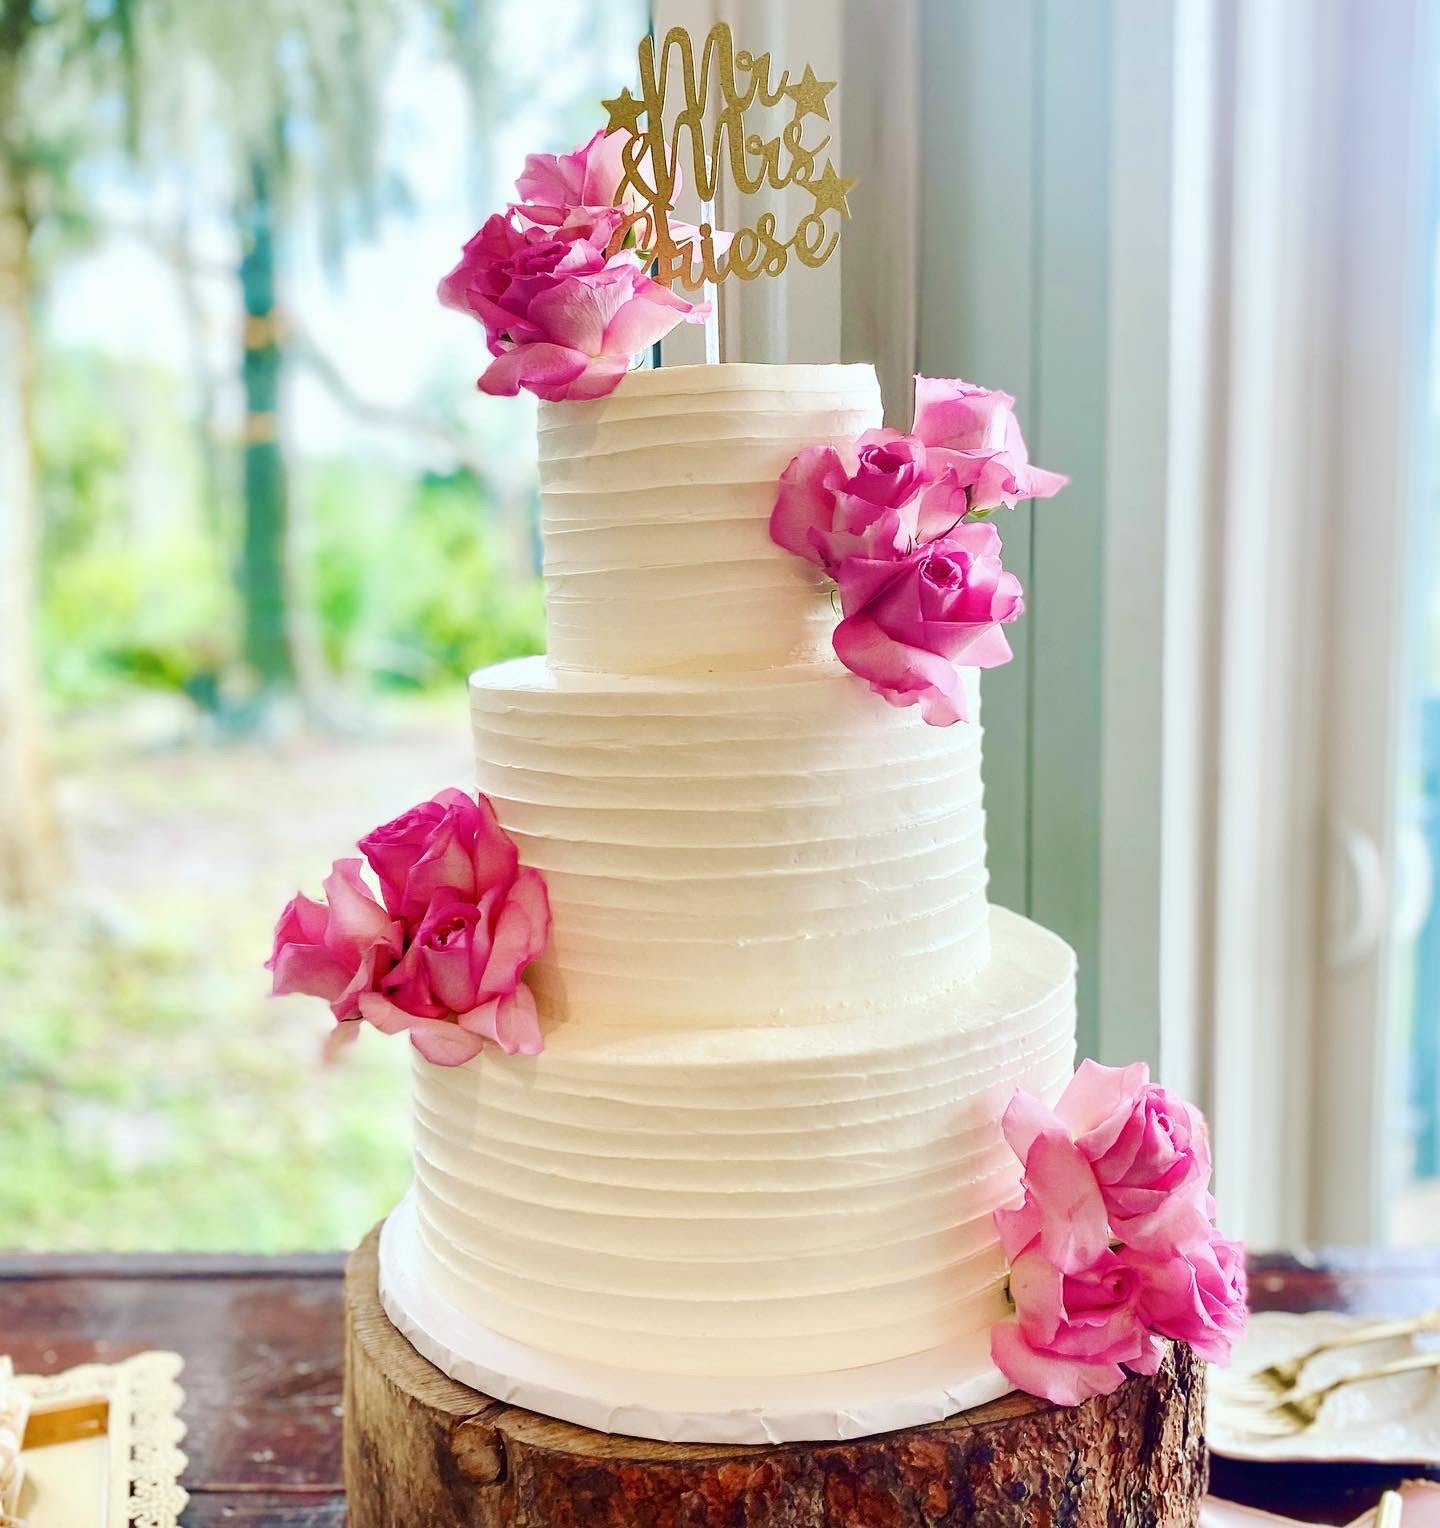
[421, 1449]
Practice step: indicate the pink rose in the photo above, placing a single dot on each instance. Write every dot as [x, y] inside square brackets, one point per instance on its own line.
[1078, 1312]
[827, 511]
[910, 625]
[338, 948]
[458, 983]
[560, 190]
[551, 186]
[445, 957]
[592, 326]
[974, 430]
[1149, 1150]
[1198, 1296]
[504, 268]
[562, 319]
[451, 844]
[1073, 1331]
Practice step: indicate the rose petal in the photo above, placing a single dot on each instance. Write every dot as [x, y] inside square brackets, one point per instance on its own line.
[443, 1043]
[512, 1022]
[805, 500]
[1025, 1120]
[1066, 1382]
[537, 366]
[1096, 1092]
[520, 933]
[1074, 1228]
[650, 314]
[310, 969]
[356, 918]
[902, 674]
[377, 1009]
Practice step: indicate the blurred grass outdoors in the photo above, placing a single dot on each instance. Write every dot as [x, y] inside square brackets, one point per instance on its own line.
[151, 1094]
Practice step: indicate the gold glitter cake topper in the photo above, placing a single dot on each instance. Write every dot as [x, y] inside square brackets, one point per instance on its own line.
[652, 163]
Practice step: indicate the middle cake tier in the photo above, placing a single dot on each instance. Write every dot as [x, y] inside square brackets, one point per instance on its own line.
[740, 850]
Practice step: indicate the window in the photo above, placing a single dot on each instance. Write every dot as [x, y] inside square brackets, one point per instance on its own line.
[275, 527]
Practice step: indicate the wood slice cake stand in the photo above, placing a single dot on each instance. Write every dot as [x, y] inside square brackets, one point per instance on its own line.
[422, 1450]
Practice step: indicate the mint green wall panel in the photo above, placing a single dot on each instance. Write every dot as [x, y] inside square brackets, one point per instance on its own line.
[1014, 273]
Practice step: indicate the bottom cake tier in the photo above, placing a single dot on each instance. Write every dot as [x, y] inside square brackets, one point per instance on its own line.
[752, 1202]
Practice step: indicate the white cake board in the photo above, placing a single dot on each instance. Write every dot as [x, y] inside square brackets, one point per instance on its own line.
[677, 1408]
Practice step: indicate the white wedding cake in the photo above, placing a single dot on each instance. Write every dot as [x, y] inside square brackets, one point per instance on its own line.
[781, 1022]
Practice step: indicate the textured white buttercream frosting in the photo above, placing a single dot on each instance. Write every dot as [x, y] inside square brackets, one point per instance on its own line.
[654, 511]
[736, 849]
[781, 1024]
[743, 1201]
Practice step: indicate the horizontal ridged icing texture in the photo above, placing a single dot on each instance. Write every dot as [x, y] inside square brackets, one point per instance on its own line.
[781, 1023]
[654, 511]
[736, 849]
[751, 1202]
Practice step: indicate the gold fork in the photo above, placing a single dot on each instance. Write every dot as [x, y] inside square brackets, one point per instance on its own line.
[1388, 1513]
[1280, 1378]
[1296, 1413]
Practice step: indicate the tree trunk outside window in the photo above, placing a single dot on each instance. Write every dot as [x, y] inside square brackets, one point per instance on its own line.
[28, 835]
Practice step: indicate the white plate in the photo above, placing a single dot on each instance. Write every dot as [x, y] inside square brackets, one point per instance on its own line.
[1387, 1421]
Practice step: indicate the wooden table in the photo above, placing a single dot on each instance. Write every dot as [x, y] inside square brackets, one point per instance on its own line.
[261, 1339]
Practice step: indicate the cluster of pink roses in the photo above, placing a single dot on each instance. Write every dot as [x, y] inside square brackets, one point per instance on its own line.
[922, 588]
[565, 307]
[1113, 1248]
[443, 955]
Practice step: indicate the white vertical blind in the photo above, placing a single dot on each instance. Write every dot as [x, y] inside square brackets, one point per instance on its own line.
[1189, 246]
[1383, 215]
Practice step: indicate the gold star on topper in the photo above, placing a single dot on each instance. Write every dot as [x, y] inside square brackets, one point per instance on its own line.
[831, 189]
[625, 111]
[809, 95]
[706, 86]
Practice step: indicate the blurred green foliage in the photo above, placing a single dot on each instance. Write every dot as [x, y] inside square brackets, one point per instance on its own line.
[412, 584]
[406, 581]
[141, 1122]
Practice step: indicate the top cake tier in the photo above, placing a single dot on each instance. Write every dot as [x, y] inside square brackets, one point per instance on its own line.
[655, 505]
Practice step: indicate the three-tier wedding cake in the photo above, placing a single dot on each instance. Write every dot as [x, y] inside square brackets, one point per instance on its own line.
[781, 1023]
[740, 1115]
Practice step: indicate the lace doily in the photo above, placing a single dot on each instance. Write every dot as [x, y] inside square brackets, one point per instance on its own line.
[143, 1430]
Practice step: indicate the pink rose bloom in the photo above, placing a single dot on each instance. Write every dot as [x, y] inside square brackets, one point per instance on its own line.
[562, 319]
[1198, 1297]
[452, 844]
[974, 429]
[910, 625]
[504, 268]
[1073, 1331]
[338, 948]
[1078, 1311]
[551, 186]
[445, 956]
[459, 981]
[827, 510]
[1149, 1150]
[559, 190]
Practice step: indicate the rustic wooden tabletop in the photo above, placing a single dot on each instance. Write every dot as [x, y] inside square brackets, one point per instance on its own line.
[261, 1338]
